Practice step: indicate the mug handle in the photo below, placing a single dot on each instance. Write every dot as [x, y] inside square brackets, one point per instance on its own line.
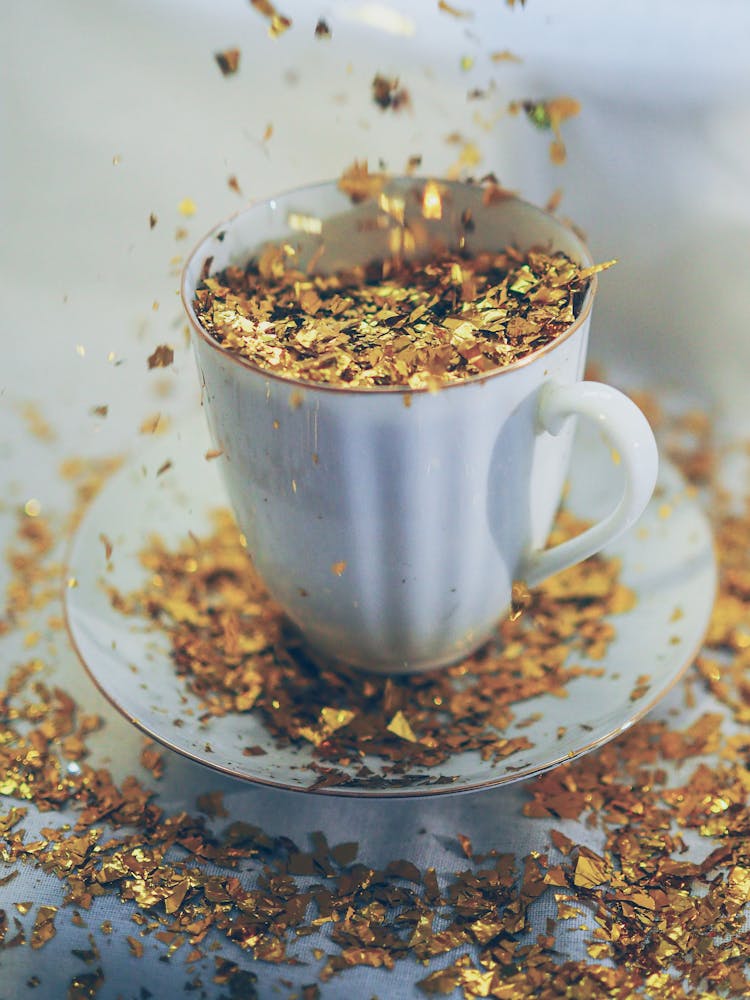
[626, 431]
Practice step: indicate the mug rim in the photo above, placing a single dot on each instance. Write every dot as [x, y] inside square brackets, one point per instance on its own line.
[186, 298]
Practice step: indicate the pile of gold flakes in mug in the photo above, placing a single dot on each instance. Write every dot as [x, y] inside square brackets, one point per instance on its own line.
[654, 922]
[399, 321]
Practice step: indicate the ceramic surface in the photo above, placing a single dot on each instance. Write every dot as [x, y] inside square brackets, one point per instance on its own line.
[389, 523]
[667, 560]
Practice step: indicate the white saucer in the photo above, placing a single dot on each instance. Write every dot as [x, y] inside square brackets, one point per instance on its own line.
[667, 559]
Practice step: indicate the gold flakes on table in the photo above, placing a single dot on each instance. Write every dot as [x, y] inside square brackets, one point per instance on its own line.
[418, 324]
[659, 901]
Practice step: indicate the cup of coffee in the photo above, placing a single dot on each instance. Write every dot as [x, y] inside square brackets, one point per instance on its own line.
[392, 382]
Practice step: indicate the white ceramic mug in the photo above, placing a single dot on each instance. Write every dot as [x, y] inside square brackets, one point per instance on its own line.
[390, 524]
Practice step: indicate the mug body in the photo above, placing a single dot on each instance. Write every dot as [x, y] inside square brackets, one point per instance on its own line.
[388, 523]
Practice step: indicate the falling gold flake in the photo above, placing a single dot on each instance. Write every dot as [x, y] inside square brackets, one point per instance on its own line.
[187, 207]
[505, 55]
[233, 184]
[36, 424]
[162, 357]
[213, 453]
[99, 411]
[388, 94]
[457, 12]
[32, 508]
[338, 568]
[322, 30]
[359, 184]
[549, 115]
[157, 423]
[228, 61]
[107, 543]
[278, 22]
[164, 467]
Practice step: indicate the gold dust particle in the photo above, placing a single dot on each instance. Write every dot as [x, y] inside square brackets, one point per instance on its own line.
[338, 568]
[164, 467]
[466, 63]
[187, 207]
[32, 508]
[71, 582]
[80, 350]
[213, 453]
[322, 30]
[99, 411]
[233, 184]
[615, 456]
[152, 220]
